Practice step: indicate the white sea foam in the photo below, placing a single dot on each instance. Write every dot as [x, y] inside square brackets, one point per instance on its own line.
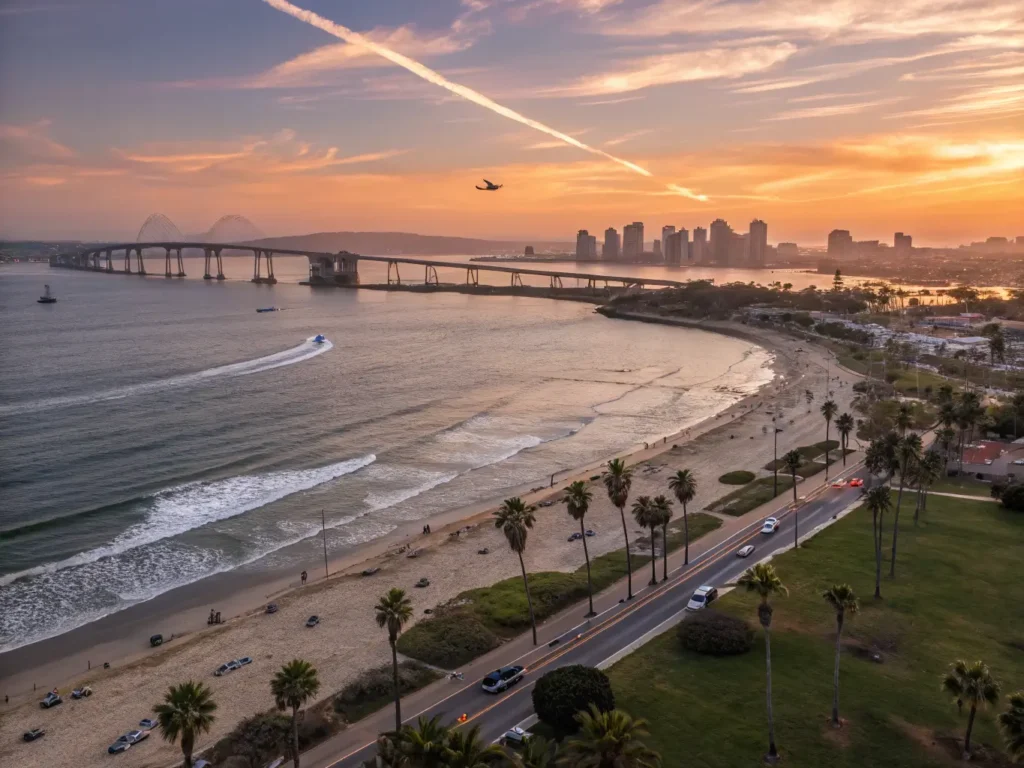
[176, 510]
[305, 351]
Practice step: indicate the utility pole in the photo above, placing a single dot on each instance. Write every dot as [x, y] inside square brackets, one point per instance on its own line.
[323, 528]
[775, 463]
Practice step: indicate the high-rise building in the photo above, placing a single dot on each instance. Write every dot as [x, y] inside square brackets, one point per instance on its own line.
[721, 242]
[840, 243]
[591, 247]
[788, 250]
[610, 251]
[758, 243]
[581, 245]
[666, 233]
[656, 248]
[633, 241]
[699, 251]
[902, 244]
[677, 248]
[739, 250]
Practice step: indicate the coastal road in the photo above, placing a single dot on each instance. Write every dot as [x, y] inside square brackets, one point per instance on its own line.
[597, 641]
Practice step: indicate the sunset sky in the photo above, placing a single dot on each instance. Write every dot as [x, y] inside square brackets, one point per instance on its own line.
[868, 115]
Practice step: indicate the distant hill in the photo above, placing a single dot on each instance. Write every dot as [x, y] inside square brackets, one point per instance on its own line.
[399, 243]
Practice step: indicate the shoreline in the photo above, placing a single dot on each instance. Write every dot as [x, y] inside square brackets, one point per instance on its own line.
[348, 641]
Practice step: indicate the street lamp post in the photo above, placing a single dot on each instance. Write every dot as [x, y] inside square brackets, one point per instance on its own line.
[775, 463]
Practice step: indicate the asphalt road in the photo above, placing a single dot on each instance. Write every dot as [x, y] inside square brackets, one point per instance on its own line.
[611, 632]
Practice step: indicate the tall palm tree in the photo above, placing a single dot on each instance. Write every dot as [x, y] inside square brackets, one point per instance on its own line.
[929, 469]
[618, 479]
[969, 412]
[466, 750]
[879, 501]
[792, 461]
[664, 508]
[904, 419]
[515, 518]
[424, 745]
[844, 425]
[389, 753]
[684, 485]
[945, 437]
[293, 685]
[537, 752]
[970, 684]
[611, 739]
[909, 455]
[843, 602]
[763, 580]
[1011, 725]
[187, 711]
[646, 516]
[577, 503]
[393, 612]
[828, 410]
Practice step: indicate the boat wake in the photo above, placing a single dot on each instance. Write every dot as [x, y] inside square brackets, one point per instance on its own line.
[298, 354]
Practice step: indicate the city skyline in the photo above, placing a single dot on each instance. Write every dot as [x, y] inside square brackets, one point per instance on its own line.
[905, 118]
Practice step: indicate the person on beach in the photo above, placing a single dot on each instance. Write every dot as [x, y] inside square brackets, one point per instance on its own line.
[304, 576]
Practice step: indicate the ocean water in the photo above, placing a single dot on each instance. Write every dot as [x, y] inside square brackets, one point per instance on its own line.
[156, 432]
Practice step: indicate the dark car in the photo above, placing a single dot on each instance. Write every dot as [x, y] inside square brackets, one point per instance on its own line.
[81, 693]
[35, 733]
[272, 608]
[155, 640]
[52, 700]
[575, 536]
[502, 679]
[312, 621]
[147, 723]
[118, 746]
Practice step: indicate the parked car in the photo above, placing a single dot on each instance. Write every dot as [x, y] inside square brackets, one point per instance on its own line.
[502, 679]
[514, 737]
[746, 551]
[575, 537]
[701, 598]
[591, 533]
[312, 621]
[81, 693]
[272, 608]
[147, 723]
[771, 524]
[223, 669]
[244, 660]
[35, 733]
[118, 746]
[52, 699]
[134, 737]
[155, 640]
[371, 571]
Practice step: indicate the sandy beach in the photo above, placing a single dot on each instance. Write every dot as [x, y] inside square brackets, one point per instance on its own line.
[348, 641]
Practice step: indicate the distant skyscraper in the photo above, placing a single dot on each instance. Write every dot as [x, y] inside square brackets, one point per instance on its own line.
[699, 252]
[758, 243]
[611, 250]
[656, 248]
[666, 233]
[840, 243]
[581, 245]
[788, 250]
[633, 241]
[591, 248]
[677, 248]
[902, 244]
[721, 242]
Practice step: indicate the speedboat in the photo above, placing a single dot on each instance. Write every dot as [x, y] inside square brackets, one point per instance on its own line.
[46, 298]
[319, 339]
[267, 309]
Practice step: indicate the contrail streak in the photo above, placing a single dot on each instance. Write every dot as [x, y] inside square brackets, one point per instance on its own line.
[354, 38]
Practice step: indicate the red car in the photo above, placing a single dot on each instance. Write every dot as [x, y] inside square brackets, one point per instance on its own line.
[856, 483]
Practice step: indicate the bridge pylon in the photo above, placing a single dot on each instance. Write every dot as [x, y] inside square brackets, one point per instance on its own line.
[259, 255]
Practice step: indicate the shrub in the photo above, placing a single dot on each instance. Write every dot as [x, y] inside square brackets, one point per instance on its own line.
[716, 634]
[563, 692]
[255, 740]
[374, 688]
[737, 477]
[449, 640]
[1013, 497]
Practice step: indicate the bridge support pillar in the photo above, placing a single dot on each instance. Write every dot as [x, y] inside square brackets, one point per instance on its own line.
[259, 255]
[167, 262]
[472, 276]
[142, 262]
[127, 261]
[517, 280]
[220, 265]
[206, 264]
[556, 281]
[181, 265]
[430, 275]
[110, 261]
[398, 276]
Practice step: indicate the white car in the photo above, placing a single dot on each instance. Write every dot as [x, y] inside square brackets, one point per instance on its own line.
[514, 737]
[746, 551]
[701, 598]
[770, 525]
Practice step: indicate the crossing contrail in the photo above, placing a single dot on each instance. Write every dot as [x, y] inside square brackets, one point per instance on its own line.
[354, 38]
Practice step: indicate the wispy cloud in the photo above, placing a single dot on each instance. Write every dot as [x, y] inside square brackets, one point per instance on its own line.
[829, 110]
[601, 102]
[990, 100]
[25, 142]
[628, 137]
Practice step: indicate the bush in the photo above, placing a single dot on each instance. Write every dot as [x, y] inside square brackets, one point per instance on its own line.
[563, 692]
[449, 640]
[1013, 497]
[374, 688]
[716, 634]
[254, 741]
[737, 477]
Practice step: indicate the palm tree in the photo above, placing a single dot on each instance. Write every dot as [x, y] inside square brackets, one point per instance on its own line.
[843, 601]
[186, 712]
[763, 580]
[929, 469]
[970, 684]
[537, 752]
[792, 461]
[294, 684]
[904, 419]
[828, 410]
[909, 455]
[425, 745]
[664, 509]
[1011, 725]
[945, 437]
[684, 485]
[389, 754]
[577, 503]
[879, 501]
[393, 612]
[514, 518]
[844, 425]
[611, 739]
[618, 479]
[465, 750]
[646, 516]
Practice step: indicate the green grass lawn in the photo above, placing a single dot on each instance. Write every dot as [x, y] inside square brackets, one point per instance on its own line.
[965, 485]
[478, 620]
[957, 594]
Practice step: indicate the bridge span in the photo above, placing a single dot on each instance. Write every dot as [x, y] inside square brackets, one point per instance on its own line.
[329, 269]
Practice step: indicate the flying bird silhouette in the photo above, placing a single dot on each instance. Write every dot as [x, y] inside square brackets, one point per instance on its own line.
[491, 186]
